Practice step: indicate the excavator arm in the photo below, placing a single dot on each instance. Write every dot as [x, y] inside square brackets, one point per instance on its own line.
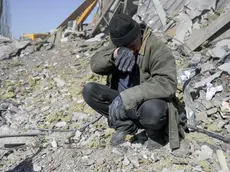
[81, 13]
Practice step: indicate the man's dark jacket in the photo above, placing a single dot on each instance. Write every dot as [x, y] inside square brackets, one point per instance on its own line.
[158, 77]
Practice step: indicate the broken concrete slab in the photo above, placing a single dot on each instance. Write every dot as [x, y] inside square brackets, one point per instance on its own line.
[220, 49]
[205, 153]
[196, 7]
[160, 11]
[198, 37]
[225, 67]
[202, 116]
[212, 111]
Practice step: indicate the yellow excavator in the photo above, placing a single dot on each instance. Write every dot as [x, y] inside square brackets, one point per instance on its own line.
[33, 36]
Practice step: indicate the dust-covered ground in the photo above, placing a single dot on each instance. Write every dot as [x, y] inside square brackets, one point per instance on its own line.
[40, 92]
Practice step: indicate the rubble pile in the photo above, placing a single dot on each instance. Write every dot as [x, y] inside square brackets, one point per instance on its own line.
[41, 103]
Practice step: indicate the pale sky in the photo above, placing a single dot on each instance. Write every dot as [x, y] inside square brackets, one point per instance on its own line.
[39, 16]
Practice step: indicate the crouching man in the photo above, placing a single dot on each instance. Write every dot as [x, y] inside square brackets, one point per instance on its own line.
[141, 85]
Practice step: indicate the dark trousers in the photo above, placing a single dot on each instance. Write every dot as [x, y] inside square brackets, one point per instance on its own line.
[150, 115]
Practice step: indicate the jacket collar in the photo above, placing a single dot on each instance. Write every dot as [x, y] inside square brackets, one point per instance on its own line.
[146, 35]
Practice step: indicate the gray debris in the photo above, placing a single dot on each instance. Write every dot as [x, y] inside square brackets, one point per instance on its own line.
[206, 67]
[60, 82]
[225, 67]
[202, 116]
[205, 153]
[212, 111]
[196, 7]
[207, 80]
[207, 104]
[60, 124]
[134, 160]
[195, 59]
[97, 38]
[184, 25]
[37, 168]
[221, 48]
[227, 128]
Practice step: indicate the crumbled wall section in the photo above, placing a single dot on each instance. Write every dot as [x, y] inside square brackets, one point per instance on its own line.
[148, 12]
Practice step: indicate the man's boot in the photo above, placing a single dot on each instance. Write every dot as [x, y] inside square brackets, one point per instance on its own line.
[156, 139]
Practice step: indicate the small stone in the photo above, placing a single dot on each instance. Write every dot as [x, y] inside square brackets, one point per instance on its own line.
[165, 170]
[212, 111]
[154, 157]
[213, 127]
[126, 162]
[61, 124]
[202, 116]
[225, 107]
[116, 151]
[205, 153]
[54, 143]
[134, 160]
[221, 124]
[100, 160]
[227, 127]
[197, 168]
[77, 135]
[60, 82]
[37, 168]
[44, 109]
[195, 59]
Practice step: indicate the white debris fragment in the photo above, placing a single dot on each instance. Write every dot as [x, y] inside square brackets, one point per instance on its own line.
[211, 91]
[225, 107]
[126, 162]
[97, 38]
[225, 67]
[205, 153]
[77, 135]
[64, 39]
[54, 143]
[60, 82]
[184, 25]
[37, 168]
[61, 124]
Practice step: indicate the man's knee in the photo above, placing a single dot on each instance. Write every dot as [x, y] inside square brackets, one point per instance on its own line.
[87, 92]
[153, 113]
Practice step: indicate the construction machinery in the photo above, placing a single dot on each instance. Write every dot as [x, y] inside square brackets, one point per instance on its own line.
[80, 14]
[33, 36]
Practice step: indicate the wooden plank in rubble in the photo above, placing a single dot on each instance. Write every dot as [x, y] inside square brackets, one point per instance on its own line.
[198, 37]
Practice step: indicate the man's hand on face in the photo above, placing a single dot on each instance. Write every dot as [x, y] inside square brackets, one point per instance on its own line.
[124, 59]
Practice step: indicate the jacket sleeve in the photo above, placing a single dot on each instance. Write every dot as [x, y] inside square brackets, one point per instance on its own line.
[102, 62]
[162, 82]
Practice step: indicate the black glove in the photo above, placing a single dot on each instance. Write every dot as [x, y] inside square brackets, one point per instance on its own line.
[125, 60]
[117, 110]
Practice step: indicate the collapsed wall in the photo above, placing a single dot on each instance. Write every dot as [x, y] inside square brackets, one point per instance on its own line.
[5, 18]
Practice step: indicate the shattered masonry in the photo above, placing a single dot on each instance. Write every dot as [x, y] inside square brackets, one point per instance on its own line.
[41, 83]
